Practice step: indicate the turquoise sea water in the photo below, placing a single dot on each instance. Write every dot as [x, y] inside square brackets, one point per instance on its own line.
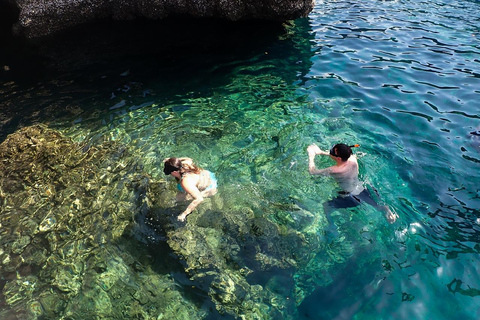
[400, 78]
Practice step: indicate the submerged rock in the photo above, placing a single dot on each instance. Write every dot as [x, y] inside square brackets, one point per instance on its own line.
[223, 247]
[39, 17]
[65, 216]
[82, 229]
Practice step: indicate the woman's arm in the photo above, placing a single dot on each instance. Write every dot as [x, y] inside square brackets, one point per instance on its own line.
[189, 184]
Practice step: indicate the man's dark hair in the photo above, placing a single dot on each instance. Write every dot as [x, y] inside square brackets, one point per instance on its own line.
[341, 150]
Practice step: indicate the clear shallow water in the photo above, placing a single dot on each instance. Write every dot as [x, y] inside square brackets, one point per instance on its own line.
[401, 78]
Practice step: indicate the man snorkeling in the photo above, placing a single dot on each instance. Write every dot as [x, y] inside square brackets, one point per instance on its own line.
[345, 172]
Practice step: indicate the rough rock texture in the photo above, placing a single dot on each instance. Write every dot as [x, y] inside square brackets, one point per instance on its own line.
[76, 222]
[85, 233]
[40, 17]
[64, 211]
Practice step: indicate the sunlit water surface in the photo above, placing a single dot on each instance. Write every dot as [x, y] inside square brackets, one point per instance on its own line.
[400, 78]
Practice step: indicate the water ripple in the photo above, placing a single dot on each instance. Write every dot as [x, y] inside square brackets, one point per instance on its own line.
[415, 65]
[401, 78]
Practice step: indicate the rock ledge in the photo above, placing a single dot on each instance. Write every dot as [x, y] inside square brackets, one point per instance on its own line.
[39, 17]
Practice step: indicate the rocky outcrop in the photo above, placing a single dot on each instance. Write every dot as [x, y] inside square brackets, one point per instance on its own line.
[83, 231]
[40, 17]
[86, 234]
[63, 250]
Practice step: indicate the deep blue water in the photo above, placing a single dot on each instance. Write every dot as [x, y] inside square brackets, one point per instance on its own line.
[401, 78]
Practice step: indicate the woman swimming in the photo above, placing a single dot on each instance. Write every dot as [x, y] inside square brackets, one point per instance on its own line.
[193, 182]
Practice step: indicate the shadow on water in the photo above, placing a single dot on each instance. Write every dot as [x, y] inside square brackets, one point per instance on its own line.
[343, 297]
[65, 75]
[8, 16]
[61, 76]
[86, 49]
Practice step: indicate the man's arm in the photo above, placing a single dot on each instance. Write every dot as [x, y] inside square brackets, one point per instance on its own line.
[312, 151]
[313, 170]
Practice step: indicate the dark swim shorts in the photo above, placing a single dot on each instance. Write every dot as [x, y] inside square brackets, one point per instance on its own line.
[347, 200]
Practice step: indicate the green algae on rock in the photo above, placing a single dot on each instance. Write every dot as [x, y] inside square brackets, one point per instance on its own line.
[64, 211]
[78, 222]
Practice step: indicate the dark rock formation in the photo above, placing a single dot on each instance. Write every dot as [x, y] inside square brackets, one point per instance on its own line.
[40, 17]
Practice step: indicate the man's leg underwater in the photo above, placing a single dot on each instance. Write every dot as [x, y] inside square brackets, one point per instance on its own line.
[367, 197]
[330, 206]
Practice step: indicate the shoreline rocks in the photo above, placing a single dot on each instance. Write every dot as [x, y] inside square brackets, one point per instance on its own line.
[40, 18]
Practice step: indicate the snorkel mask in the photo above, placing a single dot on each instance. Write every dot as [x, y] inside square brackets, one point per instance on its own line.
[334, 154]
[168, 169]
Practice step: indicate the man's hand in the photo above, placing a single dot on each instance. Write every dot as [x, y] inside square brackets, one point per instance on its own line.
[391, 216]
[314, 150]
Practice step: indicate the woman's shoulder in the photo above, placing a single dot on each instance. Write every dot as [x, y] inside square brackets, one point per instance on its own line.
[190, 176]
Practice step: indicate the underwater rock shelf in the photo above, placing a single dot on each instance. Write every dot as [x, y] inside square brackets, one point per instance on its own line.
[66, 209]
[39, 17]
[83, 232]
